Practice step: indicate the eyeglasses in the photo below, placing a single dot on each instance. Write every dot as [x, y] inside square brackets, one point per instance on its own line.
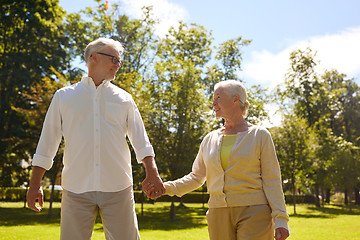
[114, 59]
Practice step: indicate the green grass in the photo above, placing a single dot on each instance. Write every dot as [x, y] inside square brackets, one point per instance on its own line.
[329, 222]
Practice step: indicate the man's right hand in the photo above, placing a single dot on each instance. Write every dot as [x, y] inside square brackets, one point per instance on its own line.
[35, 190]
[31, 197]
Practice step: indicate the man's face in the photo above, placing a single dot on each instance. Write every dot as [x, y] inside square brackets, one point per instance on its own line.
[108, 62]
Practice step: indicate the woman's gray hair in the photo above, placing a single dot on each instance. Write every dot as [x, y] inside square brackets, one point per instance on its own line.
[232, 88]
[99, 44]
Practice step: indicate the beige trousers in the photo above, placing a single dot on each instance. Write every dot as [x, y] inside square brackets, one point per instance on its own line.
[117, 211]
[240, 223]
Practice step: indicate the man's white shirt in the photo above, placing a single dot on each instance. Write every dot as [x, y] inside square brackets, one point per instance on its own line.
[94, 122]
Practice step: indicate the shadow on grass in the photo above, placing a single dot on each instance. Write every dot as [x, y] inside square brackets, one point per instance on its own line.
[337, 210]
[154, 218]
[25, 216]
[330, 211]
[158, 218]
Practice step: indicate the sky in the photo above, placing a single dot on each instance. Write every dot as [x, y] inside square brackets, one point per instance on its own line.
[276, 28]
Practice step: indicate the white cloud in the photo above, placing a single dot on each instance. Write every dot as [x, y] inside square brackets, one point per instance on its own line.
[169, 14]
[275, 117]
[339, 51]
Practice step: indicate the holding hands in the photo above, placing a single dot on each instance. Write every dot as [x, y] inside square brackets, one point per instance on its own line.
[152, 184]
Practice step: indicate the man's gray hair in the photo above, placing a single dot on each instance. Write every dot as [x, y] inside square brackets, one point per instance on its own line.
[232, 88]
[99, 44]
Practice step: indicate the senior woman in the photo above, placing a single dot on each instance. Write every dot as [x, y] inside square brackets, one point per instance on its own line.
[239, 164]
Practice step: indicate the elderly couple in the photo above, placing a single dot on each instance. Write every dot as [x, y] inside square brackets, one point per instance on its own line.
[238, 161]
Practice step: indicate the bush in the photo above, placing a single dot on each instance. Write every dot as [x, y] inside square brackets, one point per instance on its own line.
[192, 197]
[310, 199]
[12, 194]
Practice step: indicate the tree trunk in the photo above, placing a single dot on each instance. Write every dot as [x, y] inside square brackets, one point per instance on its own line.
[142, 203]
[51, 199]
[25, 197]
[172, 210]
[181, 204]
[294, 198]
[203, 197]
[52, 182]
[317, 199]
[346, 200]
[357, 196]
[327, 196]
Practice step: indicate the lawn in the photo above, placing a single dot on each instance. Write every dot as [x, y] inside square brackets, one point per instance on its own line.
[329, 222]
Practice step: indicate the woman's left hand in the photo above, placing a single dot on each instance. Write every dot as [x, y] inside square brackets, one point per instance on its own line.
[281, 234]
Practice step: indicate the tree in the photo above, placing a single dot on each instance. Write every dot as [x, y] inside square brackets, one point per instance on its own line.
[343, 100]
[230, 55]
[39, 96]
[328, 104]
[178, 97]
[292, 143]
[32, 43]
[302, 85]
[176, 100]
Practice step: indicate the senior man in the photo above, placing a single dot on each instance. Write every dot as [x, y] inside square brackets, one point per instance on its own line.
[94, 116]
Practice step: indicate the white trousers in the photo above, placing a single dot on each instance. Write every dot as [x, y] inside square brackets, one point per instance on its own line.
[117, 211]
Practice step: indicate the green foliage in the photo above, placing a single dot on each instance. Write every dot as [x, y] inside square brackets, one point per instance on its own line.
[31, 44]
[258, 98]
[172, 83]
[12, 194]
[166, 77]
[328, 104]
[176, 97]
[292, 143]
[299, 199]
[230, 56]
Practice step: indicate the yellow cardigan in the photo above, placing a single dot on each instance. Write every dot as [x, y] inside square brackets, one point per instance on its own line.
[252, 175]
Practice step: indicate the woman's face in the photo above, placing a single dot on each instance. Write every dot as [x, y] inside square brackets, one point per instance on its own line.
[223, 104]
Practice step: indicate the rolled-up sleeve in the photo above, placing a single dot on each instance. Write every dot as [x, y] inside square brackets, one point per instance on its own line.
[137, 134]
[50, 137]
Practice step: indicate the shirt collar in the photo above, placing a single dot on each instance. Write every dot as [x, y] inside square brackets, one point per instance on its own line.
[88, 81]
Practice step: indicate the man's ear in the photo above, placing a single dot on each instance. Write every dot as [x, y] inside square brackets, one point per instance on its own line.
[236, 98]
[93, 58]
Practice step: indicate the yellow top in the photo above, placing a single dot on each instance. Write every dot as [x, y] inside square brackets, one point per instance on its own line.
[226, 147]
[252, 175]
